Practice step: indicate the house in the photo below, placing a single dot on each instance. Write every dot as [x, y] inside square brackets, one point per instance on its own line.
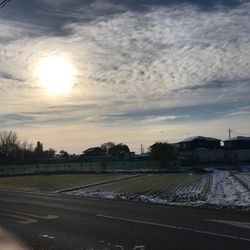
[196, 142]
[237, 149]
[143, 157]
[94, 154]
[201, 149]
[238, 142]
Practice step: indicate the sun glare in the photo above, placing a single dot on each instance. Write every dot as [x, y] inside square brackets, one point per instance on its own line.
[55, 74]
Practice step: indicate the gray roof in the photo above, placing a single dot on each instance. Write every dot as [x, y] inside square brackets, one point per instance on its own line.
[91, 149]
[239, 138]
[189, 139]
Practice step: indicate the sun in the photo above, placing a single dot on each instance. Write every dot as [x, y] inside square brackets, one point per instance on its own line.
[55, 74]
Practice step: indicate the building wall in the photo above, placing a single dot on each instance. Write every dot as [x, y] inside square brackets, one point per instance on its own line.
[204, 155]
[199, 143]
[217, 155]
[209, 155]
[237, 144]
[237, 155]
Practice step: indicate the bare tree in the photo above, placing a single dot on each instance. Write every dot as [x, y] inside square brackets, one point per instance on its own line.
[26, 149]
[25, 145]
[10, 144]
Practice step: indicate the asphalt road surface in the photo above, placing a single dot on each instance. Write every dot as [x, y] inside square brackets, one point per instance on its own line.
[62, 222]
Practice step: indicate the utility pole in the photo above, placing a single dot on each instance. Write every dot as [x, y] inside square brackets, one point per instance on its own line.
[229, 133]
[142, 149]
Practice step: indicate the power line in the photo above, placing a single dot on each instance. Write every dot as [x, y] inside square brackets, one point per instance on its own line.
[3, 3]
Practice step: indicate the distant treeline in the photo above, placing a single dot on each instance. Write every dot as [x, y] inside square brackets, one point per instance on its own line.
[16, 150]
[12, 148]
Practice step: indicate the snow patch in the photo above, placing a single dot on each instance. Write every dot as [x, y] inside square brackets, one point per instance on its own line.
[227, 191]
[245, 179]
[89, 193]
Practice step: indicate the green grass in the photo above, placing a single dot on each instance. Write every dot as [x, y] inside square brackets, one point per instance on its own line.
[54, 182]
[74, 166]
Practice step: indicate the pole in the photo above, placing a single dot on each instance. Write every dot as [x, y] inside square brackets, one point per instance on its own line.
[229, 133]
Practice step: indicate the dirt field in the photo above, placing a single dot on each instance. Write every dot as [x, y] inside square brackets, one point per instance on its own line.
[54, 182]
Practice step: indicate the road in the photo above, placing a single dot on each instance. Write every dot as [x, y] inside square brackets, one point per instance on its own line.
[61, 222]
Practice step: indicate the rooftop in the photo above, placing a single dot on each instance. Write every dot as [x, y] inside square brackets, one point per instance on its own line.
[91, 149]
[189, 139]
[239, 138]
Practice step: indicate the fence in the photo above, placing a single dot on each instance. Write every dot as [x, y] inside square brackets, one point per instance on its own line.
[18, 169]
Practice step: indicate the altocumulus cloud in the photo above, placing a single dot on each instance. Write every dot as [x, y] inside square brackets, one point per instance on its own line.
[160, 57]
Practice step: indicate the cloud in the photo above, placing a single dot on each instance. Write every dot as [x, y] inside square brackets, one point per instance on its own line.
[90, 10]
[56, 3]
[84, 11]
[107, 7]
[137, 63]
[12, 30]
[140, 4]
[167, 49]
[240, 111]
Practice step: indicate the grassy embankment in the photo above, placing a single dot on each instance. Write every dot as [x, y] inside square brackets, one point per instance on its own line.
[75, 167]
[54, 182]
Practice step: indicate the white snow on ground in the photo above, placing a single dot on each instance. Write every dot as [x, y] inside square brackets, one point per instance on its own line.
[97, 194]
[227, 191]
[245, 179]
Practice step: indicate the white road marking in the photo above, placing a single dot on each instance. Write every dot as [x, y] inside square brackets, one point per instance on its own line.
[120, 246]
[23, 220]
[175, 227]
[12, 201]
[47, 217]
[140, 247]
[46, 236]
[241, 224]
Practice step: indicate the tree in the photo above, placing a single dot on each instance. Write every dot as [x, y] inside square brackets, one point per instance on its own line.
[39, 150]
[9, 144]
[119, 151]
[49, 153]
[64, 154]
[162, 151]
[26, 150]
[107, 146]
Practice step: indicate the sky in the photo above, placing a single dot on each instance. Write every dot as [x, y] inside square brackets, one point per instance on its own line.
[144, 71]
